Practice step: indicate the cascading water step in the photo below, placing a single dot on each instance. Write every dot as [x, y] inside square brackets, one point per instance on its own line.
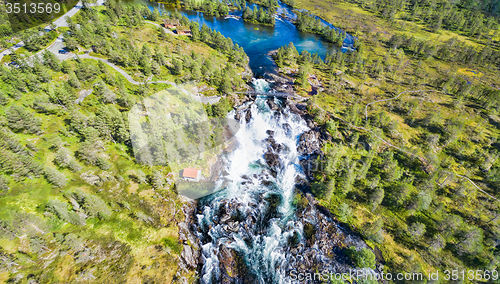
[260, 228]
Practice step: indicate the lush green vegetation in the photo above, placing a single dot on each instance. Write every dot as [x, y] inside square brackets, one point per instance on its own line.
[210, 7]
[398, 175]
[76, 206]
[477, 19]
[309, 23]
[261, 16]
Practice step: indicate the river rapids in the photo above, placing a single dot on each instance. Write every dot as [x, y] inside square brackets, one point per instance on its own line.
[251, 230]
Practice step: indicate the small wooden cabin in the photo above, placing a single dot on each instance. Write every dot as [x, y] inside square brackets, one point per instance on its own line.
[183, 31]
[170, 24]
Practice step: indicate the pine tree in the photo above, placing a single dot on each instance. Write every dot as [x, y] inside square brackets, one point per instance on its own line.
[377, 197]
[19, 119]
[178, 66]
[55, 177]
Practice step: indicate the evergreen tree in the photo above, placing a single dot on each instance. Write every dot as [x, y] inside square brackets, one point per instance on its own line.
[55, 177]
[376, 197]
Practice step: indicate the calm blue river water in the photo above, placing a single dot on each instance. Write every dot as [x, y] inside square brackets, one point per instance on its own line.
[258, 40]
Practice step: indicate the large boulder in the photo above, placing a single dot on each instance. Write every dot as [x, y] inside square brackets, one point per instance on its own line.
[309, 143]
[272, 105]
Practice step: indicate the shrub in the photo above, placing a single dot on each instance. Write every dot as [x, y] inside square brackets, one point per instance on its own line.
[55, 177]
[19, 119]
[363, 258]
[93, 205]
[61, 210]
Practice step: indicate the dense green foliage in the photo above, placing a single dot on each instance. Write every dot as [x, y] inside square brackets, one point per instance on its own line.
[472, 17]
[209, 7]
[74, 200]
[309, 23]
[392, 175]
[261, 16]
[362, 258]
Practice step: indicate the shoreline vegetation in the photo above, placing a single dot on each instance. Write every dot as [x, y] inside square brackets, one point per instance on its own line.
[76, 202]
[423, 214]
[74, 199]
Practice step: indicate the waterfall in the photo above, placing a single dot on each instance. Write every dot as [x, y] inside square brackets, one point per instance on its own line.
[258, 200]
[260, 85]
[258, 227]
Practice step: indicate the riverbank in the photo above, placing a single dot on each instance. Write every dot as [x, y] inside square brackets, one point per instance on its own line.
[257, 42]
[258, 205]
[394, 169]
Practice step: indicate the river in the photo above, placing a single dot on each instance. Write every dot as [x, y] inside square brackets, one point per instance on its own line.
[258, 215]
[251, 230]
[257, 40]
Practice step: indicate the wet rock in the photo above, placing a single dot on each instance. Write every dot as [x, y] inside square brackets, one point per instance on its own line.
[267, 182]
[227, 264]
[233, 227]
[248, 115]
[225, 218]
[272, 105]
[325, 136]
[311, 124]
[273, 146]
[293, 108]
[301, 107]
[308, 143]
[272, 159]
[287, 128]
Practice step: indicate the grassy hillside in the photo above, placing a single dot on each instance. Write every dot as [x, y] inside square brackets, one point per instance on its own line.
[75, 205]
[419, 176]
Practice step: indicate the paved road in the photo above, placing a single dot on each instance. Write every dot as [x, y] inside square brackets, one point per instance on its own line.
[60, 22]
[58, 45]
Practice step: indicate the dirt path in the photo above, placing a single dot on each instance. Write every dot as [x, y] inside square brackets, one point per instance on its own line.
[202, 99]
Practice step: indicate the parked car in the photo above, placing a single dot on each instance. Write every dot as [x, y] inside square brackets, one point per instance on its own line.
[63, 51]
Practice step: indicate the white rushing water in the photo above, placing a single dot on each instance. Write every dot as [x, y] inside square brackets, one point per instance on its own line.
[262, 244]
[260, 85]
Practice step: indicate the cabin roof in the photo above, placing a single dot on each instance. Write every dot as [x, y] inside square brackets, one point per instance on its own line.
[183, 29]
[173, 22]
[190, 173]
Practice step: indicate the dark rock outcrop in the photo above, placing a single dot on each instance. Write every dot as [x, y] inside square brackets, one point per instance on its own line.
[272, 105]
[190, 254]
[248, 115]
[309, 143]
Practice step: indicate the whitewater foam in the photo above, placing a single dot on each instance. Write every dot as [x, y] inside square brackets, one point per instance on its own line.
[246, 168]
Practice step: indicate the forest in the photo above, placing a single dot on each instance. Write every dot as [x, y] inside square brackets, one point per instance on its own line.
[418, 175]
[75, 204]
[310, 23]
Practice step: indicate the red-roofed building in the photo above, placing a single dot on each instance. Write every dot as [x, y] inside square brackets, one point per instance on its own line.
[183, 31]
[191, 174]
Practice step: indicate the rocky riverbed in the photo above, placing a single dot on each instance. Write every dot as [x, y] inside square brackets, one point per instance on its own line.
[224, 239]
